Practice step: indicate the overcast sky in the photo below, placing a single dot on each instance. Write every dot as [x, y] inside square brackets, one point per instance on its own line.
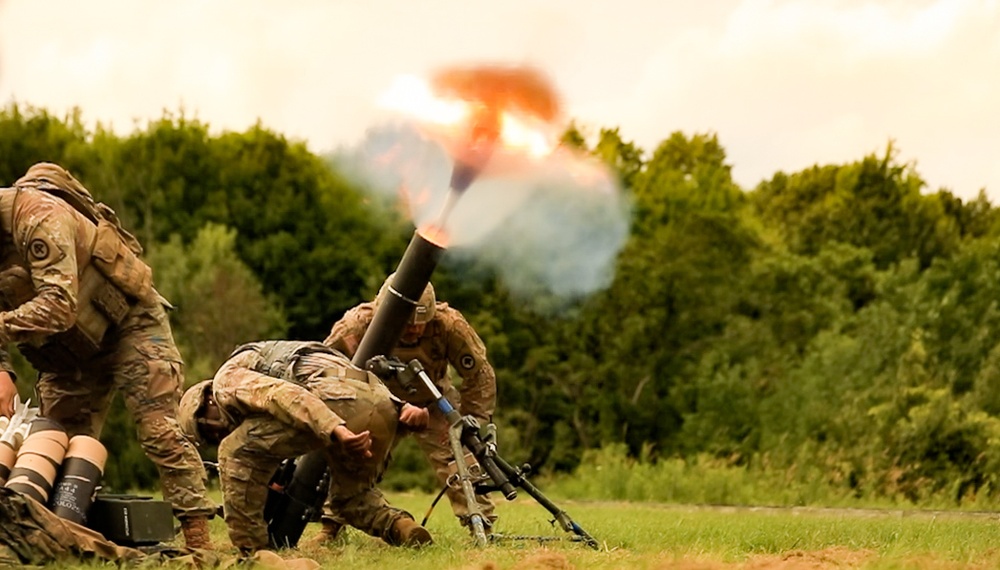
[784, 83]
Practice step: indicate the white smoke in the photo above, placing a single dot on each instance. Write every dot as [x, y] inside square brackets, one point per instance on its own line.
[552, 225]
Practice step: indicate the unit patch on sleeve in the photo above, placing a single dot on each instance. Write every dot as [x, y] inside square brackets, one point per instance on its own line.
[38, 249]
[467, 361]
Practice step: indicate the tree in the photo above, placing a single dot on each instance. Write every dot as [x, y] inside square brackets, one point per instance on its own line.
[875, 203]
[29, 135]
[220, 303]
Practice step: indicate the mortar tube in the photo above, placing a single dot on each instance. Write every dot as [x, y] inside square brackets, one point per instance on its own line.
[394, 311]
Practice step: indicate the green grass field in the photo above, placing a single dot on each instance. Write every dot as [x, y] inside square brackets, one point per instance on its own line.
[658, 536]
[653, 536]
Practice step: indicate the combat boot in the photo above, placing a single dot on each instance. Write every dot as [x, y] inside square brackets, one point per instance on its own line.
[327, 534]
[406, 532]
[196, 533]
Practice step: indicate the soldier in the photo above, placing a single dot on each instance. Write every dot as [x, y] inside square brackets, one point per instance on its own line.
[438, 336]
[81, 307]
[276, 400]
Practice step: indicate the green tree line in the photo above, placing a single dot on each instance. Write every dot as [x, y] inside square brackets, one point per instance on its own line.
[844, 315]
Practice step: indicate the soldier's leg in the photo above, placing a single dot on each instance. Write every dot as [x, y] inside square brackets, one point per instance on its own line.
[148, 370]
[248, 458]
[78, 402]
[368, 511]
[245, 469]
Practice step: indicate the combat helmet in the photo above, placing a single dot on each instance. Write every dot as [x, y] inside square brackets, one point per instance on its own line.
[191, 403]
[423, 312]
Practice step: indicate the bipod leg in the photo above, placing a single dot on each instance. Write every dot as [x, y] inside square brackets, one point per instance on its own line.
[476, 520]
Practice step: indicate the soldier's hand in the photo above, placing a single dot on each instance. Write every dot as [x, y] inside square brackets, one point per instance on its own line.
[414, 417]
[356, 443]
[7, 392]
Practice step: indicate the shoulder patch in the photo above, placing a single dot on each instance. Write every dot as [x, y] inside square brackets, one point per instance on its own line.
[39, 249]
[467, 361]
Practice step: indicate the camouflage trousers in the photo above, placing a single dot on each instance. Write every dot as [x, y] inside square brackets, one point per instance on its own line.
[140, 361]
[251, 454]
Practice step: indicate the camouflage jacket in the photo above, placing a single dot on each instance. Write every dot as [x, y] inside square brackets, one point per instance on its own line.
[448, 339]
[42, 242]
[290, 381]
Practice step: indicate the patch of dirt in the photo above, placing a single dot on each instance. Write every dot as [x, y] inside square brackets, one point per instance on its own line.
[544, 561]
[828, 558]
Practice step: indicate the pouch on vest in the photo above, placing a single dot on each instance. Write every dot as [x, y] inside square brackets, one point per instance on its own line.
[100, 305]
[120, 264]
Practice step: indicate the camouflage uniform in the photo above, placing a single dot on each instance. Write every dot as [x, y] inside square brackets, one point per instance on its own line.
[81, 307]
[447, 339]
[285, 398]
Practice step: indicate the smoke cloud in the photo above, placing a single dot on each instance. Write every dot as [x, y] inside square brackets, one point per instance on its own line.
[548, 226]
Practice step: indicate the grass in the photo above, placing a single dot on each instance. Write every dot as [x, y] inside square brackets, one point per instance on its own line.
[682, 515]
[658, 536]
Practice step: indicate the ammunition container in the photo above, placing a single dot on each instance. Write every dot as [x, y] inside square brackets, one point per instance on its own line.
[7, 457]
[74, 490]
[130, 520]
[38, 460]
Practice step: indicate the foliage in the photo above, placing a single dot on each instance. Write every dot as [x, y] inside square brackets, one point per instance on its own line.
[874, 203]
[834, 330]
[220, 304]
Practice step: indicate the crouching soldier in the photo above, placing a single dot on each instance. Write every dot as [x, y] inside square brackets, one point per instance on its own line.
[276, 400]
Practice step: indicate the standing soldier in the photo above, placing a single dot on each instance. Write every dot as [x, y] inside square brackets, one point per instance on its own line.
[81, 306]
[437, 336]
[276, 400]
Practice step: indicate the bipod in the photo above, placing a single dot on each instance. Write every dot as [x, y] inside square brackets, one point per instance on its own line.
[464, 432]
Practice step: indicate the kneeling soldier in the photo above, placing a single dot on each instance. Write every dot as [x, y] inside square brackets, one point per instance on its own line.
[276, 400]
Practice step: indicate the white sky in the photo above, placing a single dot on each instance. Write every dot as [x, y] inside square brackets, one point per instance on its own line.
[784, 83]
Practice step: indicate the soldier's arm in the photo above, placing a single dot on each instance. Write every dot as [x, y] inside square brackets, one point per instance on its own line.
[50, 252]
[345, 335]
[467, 355]
[252, 392]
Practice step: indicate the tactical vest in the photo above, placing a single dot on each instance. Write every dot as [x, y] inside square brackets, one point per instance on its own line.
[111, 279]
[277, 358]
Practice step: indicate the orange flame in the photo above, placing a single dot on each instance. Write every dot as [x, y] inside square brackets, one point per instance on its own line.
[434, 234]
[512, 88]
[519, 99]
[412, 95]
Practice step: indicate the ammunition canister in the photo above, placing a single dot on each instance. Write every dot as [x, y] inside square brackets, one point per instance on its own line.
[25, 486]
[38, 459]
[76, 486]
[48, 429]
[7, 457]
[33, 474]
